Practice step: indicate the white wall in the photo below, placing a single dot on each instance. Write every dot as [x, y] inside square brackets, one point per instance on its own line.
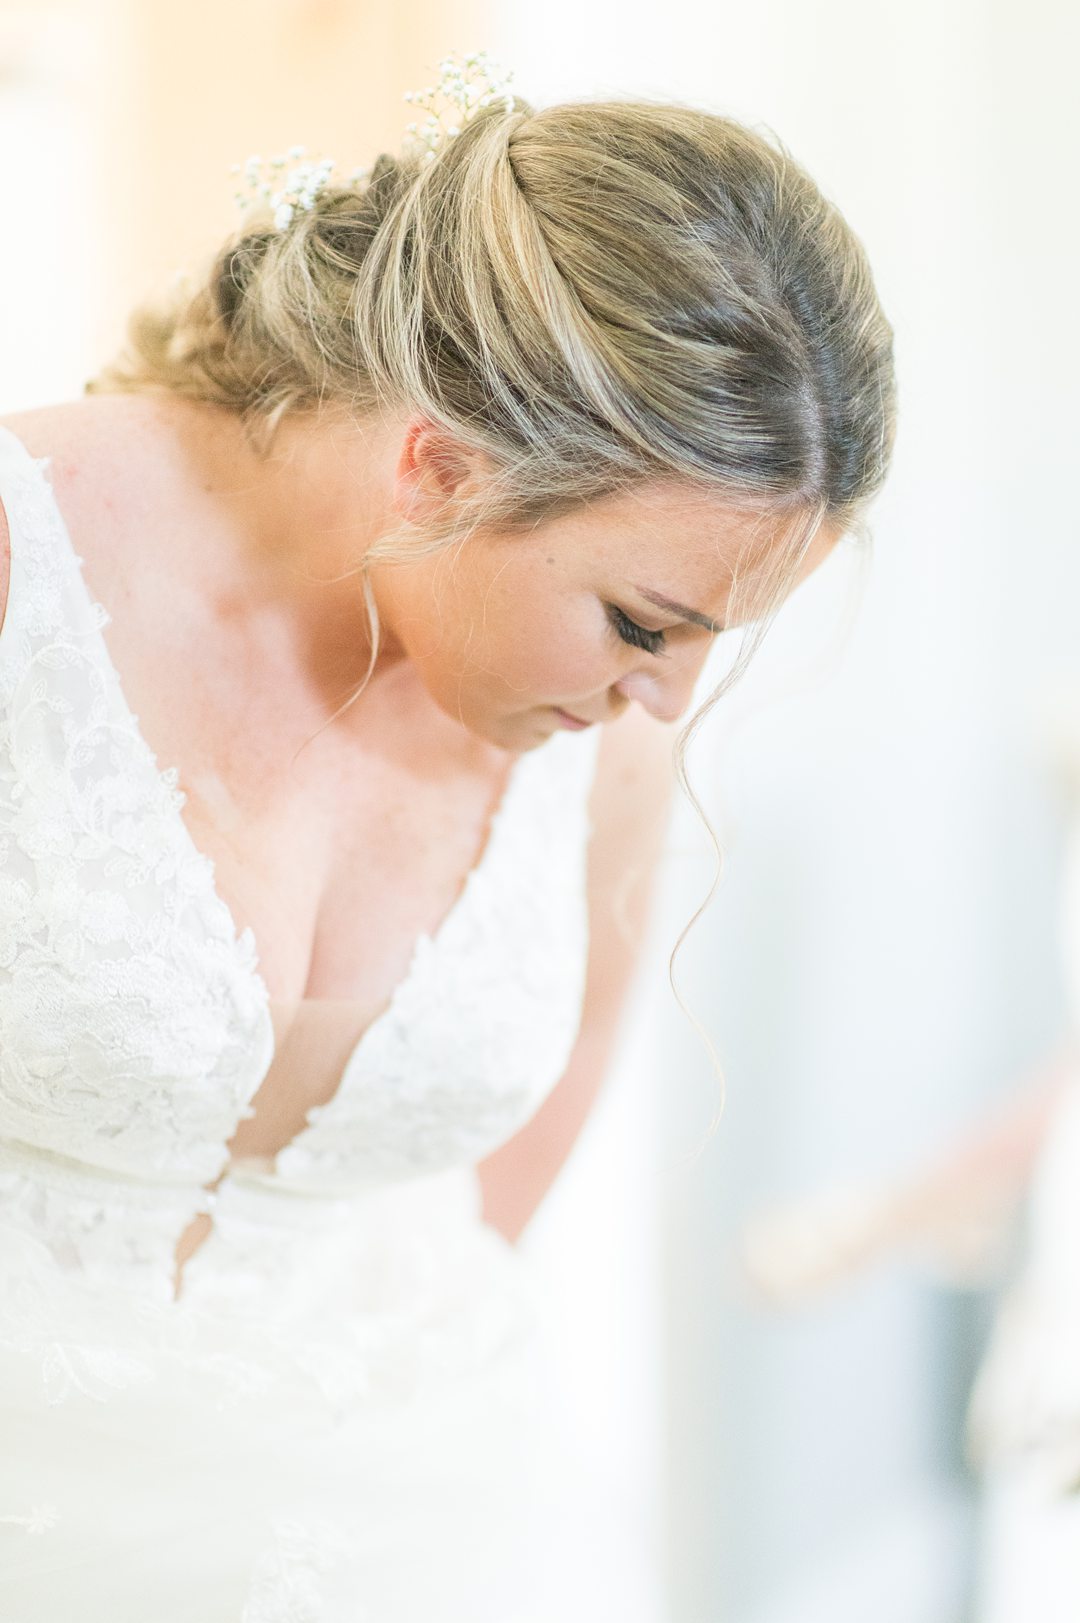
[881, 957]
[52, 268]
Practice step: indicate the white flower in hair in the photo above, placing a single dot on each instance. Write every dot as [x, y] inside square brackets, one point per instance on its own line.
[289, 183]
[293, 183]
[464, 87]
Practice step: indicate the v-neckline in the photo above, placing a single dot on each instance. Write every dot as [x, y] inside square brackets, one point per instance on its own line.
[170, 777]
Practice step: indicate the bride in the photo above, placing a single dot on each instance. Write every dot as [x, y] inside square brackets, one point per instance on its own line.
[344, 627]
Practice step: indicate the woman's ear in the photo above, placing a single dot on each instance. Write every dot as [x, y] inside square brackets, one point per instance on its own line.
[434, 471]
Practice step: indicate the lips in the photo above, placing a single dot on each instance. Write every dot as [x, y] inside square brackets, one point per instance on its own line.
[569, 720]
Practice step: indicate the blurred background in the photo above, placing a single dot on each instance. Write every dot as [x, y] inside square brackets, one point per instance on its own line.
[882, 959]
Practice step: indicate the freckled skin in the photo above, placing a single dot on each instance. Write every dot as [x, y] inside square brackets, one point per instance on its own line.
[499, 631]
[506, 627]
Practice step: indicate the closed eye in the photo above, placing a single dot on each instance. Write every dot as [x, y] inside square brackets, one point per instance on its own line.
[630, 632]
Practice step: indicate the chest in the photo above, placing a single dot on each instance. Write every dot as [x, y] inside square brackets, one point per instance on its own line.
[333, 849]
[335, 840]
[429, 949]
[194, 909]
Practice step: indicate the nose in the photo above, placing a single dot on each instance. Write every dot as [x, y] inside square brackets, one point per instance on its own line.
[665, 694]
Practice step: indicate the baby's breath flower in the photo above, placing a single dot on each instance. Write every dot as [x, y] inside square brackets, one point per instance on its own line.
[290, 190]
[464, 86]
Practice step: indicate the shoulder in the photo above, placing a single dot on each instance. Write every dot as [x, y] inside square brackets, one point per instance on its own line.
[87, 443]
[110, 442]
[629, 810]
[98, 436]
[88, 446]
[114, 460]
[635, 773]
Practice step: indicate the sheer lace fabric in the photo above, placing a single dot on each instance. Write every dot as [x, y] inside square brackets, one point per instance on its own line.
[348, 1302]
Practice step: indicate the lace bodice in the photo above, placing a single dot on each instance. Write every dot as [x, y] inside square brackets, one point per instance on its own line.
[135, 1027]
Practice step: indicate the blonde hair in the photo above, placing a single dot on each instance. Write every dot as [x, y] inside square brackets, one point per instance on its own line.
[592, 295]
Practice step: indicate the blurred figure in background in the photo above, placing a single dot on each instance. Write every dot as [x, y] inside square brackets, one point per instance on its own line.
[957, 1214]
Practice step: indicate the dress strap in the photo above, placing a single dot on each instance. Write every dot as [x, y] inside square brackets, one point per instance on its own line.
[46, 591]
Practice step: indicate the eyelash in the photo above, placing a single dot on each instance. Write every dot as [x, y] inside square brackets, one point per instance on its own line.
[637, 636]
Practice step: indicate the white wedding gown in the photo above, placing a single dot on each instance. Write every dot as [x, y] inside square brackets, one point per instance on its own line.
[341, 1416]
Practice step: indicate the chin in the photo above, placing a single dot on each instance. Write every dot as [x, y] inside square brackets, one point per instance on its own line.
[526, 731]
[522, 733]
[514, 733]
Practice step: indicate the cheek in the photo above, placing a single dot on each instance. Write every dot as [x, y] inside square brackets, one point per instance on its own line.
[553, 659]
[512, 634]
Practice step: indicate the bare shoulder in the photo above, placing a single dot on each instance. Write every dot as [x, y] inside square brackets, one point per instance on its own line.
[635, 772]
[114, 459]
[88, 444]
[44, 428]
[629, 809]
[96, 431]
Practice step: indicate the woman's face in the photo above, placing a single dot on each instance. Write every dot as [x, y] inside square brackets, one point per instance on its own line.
[517, 636]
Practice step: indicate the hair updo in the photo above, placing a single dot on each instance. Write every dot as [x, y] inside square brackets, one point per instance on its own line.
[592, 294]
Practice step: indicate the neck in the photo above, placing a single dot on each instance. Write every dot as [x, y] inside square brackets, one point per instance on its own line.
[315, 500]
[305, 512]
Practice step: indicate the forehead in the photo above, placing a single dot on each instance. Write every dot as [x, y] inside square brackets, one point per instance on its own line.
[728, 560]
[684, 533]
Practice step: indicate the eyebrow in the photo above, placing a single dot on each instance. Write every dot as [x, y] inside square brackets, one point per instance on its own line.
[692, 615]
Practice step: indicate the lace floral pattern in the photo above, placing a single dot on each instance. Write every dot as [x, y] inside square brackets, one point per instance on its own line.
[377, 1302]
[349, 1280]
[286, 1584]
[132, 1030]
[134, 1025]
[483, 1024]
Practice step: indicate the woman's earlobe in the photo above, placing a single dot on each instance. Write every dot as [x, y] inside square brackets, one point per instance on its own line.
[434, 468]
